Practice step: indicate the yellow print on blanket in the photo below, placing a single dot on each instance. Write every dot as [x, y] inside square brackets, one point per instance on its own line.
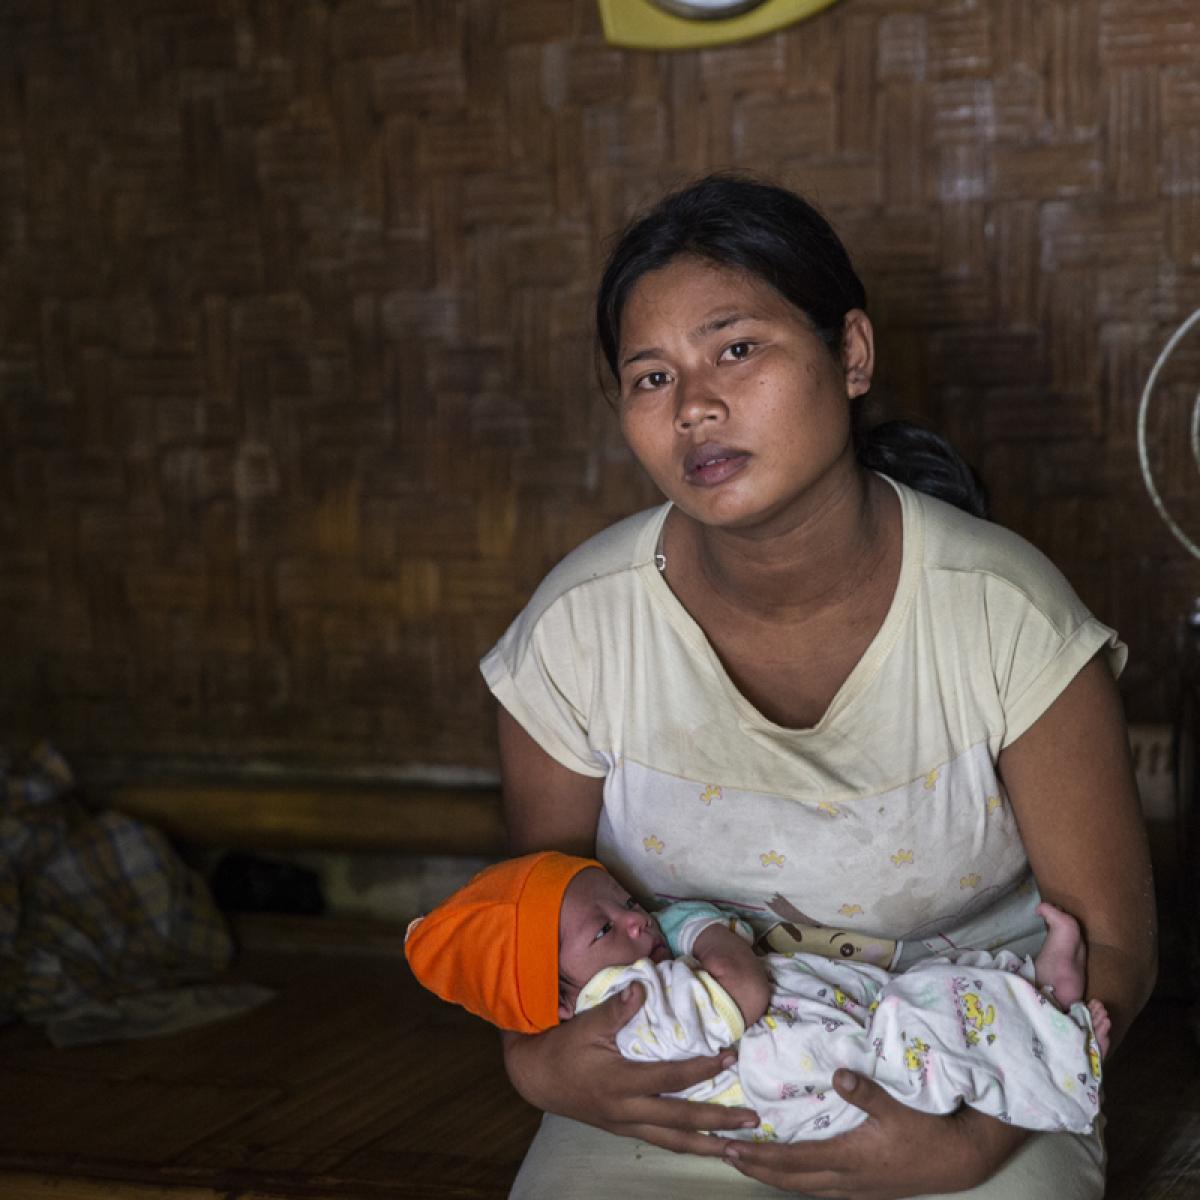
[915, 1054]
[842, 1001]
[779, 1013]
[975, 1018]
[978, 1017]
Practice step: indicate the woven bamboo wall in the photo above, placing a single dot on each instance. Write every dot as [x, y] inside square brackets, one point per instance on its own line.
[297, 397]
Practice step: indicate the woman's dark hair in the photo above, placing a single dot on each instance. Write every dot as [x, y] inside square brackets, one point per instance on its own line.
[737, 221]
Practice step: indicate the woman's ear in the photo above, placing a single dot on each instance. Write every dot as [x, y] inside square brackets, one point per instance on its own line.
[858, 352]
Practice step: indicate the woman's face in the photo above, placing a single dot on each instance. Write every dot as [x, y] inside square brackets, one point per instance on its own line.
[729, 400]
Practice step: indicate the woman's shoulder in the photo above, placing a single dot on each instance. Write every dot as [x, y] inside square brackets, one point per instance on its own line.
[1003, 596]
[956, 544]
[594, 573]
[608, 556]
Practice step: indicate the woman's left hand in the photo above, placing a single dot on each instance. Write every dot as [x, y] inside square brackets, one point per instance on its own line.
[897, 1151]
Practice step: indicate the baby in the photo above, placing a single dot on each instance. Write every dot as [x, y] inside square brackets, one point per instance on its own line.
[532, 941]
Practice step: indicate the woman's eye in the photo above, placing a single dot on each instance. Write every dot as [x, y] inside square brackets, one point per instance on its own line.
[738, 351]
[652, 380]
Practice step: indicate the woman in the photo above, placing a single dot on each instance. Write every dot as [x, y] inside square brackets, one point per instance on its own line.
[809, 690]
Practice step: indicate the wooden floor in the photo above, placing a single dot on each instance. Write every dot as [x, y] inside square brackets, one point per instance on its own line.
[354, 1082]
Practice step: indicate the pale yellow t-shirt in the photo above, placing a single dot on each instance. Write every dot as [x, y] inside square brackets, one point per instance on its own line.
[886, 820]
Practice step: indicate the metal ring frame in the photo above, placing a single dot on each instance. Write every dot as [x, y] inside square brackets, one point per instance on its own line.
[1143, 453]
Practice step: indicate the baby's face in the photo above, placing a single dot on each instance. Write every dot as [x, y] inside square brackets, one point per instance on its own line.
[600, 925]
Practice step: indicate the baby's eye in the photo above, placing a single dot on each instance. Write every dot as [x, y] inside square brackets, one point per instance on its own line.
[605, 928]
[630, 902]
[738, 351]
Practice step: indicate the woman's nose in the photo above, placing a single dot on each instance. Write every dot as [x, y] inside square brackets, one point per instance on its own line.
[697, 401]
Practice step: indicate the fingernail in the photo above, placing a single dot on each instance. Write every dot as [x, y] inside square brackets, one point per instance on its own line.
[728, 1060]
[627, 991]
[847, 1079]
[751, 1124]
[731, 1155]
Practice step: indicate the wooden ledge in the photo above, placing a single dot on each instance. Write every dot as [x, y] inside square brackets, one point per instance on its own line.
[313, 937]
[246, 814]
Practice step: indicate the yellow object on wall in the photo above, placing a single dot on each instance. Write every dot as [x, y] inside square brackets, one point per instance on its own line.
[642, 25]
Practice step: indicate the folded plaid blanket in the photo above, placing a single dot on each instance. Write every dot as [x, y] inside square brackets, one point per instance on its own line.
[96, 910]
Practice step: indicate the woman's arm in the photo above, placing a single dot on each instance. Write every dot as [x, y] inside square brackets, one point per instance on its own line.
[575, 1069]
[1070, 781]
[546, 806]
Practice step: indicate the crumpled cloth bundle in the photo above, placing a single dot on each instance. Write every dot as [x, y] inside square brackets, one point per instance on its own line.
[104, 931]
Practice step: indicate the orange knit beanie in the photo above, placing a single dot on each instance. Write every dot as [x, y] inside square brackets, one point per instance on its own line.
[493, 946]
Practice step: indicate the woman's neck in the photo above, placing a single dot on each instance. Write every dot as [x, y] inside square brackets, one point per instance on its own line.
[798, 566]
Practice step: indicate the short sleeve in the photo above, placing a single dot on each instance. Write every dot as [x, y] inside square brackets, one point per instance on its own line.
[684, 921]
[536, 671]
[1041, 638]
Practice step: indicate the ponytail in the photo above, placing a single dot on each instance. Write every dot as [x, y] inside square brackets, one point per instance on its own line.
[924, 461]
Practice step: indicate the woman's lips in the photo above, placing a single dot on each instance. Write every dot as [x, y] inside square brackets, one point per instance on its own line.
[707, 466]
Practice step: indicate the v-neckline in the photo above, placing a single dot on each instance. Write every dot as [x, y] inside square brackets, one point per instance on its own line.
[854, 685]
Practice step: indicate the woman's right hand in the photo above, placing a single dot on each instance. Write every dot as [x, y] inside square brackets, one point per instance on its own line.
[576, 1070]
